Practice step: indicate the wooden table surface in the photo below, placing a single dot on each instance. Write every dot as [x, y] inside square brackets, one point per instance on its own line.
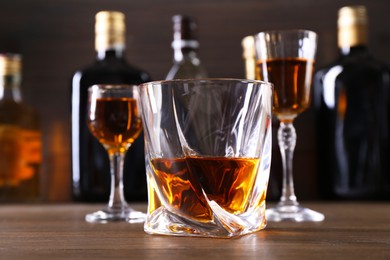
[350, 231]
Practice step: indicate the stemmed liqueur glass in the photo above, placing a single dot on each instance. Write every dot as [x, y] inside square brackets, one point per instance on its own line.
[286, 59]
[114, 119]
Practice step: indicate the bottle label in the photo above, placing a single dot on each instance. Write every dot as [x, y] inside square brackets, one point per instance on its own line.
[20, 154]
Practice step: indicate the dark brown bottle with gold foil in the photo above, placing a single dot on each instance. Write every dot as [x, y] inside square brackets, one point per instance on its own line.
[351, 99]
[90, 164]
[20, 137]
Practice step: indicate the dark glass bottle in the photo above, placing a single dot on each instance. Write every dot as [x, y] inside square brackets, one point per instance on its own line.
[185, 44]
[351, 100]
[20, 137]
[90, 164]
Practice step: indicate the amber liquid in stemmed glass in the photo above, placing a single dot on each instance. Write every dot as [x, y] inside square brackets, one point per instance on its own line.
[114, 119]
[292, 79]
[286, 58]
[116, 123]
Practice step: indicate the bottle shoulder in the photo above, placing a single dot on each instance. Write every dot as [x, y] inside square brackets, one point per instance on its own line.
[110, 72]
[356, 63]
[186, 69]
[19, 113]
[22, 106]
[353, 69]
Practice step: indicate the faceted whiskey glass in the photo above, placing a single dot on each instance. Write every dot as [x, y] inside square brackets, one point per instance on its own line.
[208, 154]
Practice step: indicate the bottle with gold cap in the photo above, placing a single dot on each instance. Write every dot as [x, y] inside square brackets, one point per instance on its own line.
[351, 101]
[90, 164]
[185, 44]
[249, 56]
[20, 137]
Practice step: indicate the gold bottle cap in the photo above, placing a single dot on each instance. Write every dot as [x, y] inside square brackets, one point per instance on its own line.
[110, 30]
[10, 64]
[249, 55]
[352, 26]
[248, 46]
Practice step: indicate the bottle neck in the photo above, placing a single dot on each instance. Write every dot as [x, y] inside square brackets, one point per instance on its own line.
[354, 50]
[110, 44]
[10, 87]
[105, 54]
[185, 50]
[352, 38]
[249, 55]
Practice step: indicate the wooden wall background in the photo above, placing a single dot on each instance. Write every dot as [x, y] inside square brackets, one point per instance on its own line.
[57, 37]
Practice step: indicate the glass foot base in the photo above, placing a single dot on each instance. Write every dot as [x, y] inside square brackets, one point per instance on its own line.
[110, 215]
[293, 213]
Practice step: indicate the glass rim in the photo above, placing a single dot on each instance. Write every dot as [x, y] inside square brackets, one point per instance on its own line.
[111, 86]
[313, 33]
[159, 82]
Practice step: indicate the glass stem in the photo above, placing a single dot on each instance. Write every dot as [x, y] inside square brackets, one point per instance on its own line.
[287, 138]
[117, 200]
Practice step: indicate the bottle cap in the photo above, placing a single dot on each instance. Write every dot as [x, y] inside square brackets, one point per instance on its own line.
[352, 15]
[10, 64]
[249, 55]
[352, 26]
[110, 30]
[248, 46]
[185, 31]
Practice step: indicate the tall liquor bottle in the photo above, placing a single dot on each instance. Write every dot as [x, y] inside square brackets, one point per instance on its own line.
[90, 164]
[185, 45]
[351, 100]
[20, 137]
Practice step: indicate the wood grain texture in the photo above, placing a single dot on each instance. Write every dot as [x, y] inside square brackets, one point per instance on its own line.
[57, 37]
[350, 231]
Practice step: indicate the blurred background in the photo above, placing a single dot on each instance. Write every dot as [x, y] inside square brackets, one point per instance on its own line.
[56, 38]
